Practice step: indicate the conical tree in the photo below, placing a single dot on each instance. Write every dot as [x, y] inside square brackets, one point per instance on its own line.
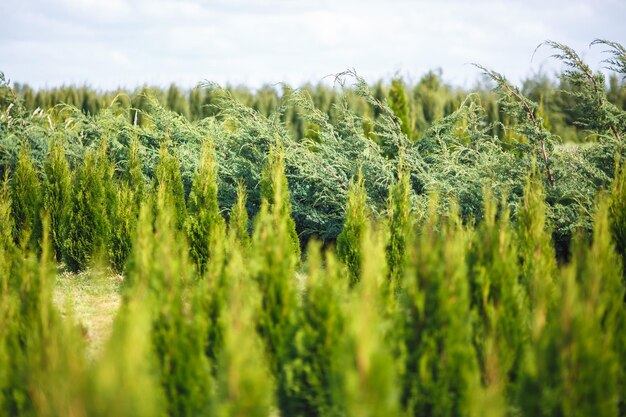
[370, 379]
[57, 193]
[244, 381]
[401, 223]
[26, 198]
[399, 104]
[275, 190]
[617, 210]
[497, 298]
[536, 253]
[158, 272]
[169, 184]
[204, 212]
[350, 239]
[274, 258]
[88, 224]
[239, 221]
[440, 364]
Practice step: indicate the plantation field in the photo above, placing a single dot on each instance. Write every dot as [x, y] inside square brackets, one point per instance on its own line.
[157, 264]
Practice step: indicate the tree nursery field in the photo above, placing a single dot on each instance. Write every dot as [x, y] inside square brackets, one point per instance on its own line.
[358, 251]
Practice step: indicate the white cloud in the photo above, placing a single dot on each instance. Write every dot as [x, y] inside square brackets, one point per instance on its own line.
[122, 42]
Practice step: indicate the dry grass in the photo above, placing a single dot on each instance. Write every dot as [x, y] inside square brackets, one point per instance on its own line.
[92, 298]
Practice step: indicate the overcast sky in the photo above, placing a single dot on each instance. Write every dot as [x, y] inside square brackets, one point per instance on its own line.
[111, 43]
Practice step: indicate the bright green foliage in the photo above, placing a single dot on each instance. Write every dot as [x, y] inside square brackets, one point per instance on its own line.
[169, 184]
[6, 218]
[617, 210]
[123, 219]
[401, 224]
[158, 271]
[371, 383]
[316, 373]
[134, 175]
[350, 239]
[537, 254]
[27, 322]
[275, 190]
[88, 223]
[57, 193]
[498, 299]
[204, 212]
[473, 313]
[273, 263]
[570, 371]
[599, 276]
[244, 382]
[238, 224]
[440, 368]
[399, 104]
[122, 382]
[26, 198]
[124, 207]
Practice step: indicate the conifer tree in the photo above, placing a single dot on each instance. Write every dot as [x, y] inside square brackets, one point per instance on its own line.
[536, 253]
[123, 220]
[157, 272]
[126, 204]
[569, 370]
[400, 229]
[275, 190]
[204, 212]
[26, 199]
[238, 222]
[399, 104]
[349, 240]
[496, 296]
[617, 211]
[440, 364]
[57, 193]
[244, 382]
[316, 372]
[274, 259]
[169, 184]
[134, 174]
[88, 224]
[123, 381]
[370, 376]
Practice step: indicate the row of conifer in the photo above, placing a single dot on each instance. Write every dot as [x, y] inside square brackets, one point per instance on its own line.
[413, 314]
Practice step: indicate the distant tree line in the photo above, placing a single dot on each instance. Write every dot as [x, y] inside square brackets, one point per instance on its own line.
[417, 104]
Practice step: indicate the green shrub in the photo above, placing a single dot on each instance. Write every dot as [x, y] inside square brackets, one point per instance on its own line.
[617, 210]
[401, 224]
[26, 199]
[370, 378]
[399, 104]
[316, 375]
[440, 365]
[244, 382]
[238, 222]
[275, 190]
[536, 253]
[88, 221]
[349, 240]
[570, 371]
[499, 301]
[169, 184]
[158, 272]
[204, 212]
[274, 257]
[57, 193]
[123, 218]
